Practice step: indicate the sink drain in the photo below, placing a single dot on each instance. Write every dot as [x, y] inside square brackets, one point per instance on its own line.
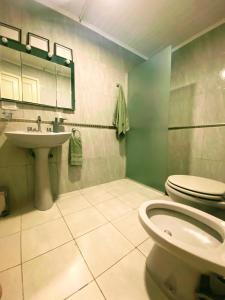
[168, 232]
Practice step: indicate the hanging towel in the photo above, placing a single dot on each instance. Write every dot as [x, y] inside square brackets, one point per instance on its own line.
[75, 153]
[121, 116]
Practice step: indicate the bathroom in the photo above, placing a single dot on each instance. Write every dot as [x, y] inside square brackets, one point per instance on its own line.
[79, 231]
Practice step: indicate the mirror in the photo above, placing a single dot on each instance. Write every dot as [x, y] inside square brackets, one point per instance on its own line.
[38, 80]
[35, 80]
[10, 74]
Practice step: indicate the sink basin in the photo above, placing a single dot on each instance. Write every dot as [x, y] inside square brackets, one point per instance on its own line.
[37, 139]
[41, 143]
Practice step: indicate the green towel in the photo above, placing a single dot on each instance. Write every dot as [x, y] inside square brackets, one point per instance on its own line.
[121, 115]
[75, 156]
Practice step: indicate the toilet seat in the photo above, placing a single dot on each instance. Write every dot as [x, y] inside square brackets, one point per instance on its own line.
[188, 199]
[195, 194]
[198, 185]
[208, 259]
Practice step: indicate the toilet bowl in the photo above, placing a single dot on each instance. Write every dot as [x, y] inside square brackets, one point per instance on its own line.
[188, 243]
[191, 190]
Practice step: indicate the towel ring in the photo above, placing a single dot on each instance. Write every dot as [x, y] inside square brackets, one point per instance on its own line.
[74, 131]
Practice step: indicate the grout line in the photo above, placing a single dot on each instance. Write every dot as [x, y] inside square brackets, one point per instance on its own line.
[21, 268]
[30, 259]
[10, 268]
[36, 225]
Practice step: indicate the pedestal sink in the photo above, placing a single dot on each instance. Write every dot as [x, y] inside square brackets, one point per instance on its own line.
[41, 143]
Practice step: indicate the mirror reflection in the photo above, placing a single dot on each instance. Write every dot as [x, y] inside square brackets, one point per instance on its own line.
[63, 77]
[10, 74]
[28, 78]
[38, 80]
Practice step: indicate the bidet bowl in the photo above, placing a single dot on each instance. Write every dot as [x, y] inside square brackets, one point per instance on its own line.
[189, 242]
[187, 232]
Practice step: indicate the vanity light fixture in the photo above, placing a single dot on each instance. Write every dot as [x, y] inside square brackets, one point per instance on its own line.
[28, 47]
[4, 40]
[50, 55]
[67, 61]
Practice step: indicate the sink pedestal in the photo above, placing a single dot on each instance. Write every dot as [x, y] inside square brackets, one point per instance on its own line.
[43, 199]
[41, 143]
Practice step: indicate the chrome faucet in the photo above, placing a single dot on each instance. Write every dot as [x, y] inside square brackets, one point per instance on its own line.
[39, 123]
[58, 125]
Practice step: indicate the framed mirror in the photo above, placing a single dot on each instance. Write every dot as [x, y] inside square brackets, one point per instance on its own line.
[34, 78]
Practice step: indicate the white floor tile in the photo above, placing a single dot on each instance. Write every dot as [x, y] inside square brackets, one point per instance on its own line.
[131, 228]
[10, 251]
[42, 238]
[89, 292]
[68, 205]
[129, 280]
[56, 274]
[11, 283]
[146, 246]
[32, 217]
[133, 199]
[103, 247]
[97, 197]
[84, 221]
[10, 225]
[113, 208]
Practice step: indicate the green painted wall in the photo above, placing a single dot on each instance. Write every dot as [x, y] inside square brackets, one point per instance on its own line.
[148, 98]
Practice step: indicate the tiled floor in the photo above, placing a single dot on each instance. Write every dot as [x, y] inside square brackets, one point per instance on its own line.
[89, 246]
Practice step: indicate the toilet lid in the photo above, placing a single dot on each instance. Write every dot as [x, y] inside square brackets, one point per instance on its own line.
[195, 194]
[198, 184]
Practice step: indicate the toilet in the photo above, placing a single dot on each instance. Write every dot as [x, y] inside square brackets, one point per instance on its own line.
[196, 191]
[188, 243]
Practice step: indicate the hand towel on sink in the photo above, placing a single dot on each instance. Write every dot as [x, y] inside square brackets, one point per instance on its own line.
[75, 150]
[121, 115]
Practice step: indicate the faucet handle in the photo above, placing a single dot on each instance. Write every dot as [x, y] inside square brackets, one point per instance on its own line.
[61, 120]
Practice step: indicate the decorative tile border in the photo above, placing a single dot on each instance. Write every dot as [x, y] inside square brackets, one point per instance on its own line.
[65, 123]
[196, 126]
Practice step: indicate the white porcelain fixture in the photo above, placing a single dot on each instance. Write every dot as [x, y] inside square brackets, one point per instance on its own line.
[189, 242]
[196, 190]
[41, 143]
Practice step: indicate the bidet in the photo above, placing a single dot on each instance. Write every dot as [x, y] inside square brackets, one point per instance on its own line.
[188, 243]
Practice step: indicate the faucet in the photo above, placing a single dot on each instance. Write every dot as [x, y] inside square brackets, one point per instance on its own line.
[58, 124]
[39, 123]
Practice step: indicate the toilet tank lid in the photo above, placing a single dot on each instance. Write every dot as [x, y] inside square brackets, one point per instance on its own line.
[198, 184]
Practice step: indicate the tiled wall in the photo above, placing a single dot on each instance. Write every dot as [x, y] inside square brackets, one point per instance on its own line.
[198, 98]
[99, 65]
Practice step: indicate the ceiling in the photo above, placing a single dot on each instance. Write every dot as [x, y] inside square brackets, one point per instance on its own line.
[144, 26]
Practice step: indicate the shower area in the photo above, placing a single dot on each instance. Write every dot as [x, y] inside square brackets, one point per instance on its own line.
[176, 104]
